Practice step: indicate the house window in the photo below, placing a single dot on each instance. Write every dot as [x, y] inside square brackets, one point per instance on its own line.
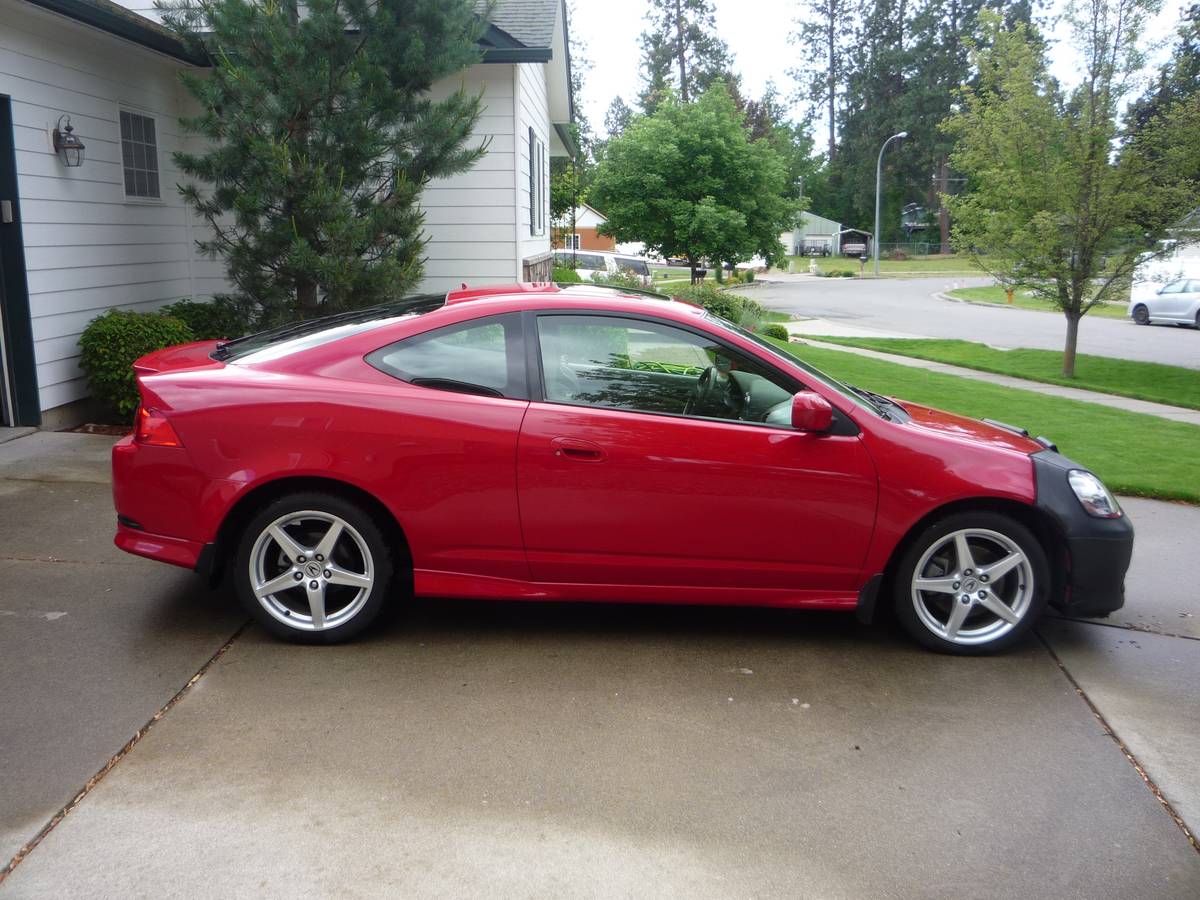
[537, 185]
[573, 242]
[139, 156]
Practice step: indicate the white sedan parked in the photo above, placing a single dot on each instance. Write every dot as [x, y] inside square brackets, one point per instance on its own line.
[1178, 302]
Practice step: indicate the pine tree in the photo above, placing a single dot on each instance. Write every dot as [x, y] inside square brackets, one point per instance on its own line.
[617, 118]
[823, 36]
[682, 52]
[1178, 79]
[319, 136]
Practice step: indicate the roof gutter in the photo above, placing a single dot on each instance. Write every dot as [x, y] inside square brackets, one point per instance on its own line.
[119, 22]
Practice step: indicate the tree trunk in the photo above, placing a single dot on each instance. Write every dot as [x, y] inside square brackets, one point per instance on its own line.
[943, 212]
[681, 52]
[306, 297]
[1068, 366]
[832, 34]
[692, 267]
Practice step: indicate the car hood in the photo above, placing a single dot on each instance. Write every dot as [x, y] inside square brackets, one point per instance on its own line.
[975, 430]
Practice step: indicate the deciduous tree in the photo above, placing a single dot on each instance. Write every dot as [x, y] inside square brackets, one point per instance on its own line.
[688, 182]
[1058, 199]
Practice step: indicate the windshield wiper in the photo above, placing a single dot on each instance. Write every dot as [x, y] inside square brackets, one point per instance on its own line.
[878, 400]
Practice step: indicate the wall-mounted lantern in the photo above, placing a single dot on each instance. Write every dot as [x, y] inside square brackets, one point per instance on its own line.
[68, 147]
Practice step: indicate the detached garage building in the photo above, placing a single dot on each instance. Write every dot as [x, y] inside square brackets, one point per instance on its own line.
[111, 232]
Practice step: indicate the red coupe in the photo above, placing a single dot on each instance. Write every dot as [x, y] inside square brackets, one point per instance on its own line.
[545, 442]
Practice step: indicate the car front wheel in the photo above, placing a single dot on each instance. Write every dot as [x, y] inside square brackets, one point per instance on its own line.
[972, 583]
[313, 568]
[1141, 315]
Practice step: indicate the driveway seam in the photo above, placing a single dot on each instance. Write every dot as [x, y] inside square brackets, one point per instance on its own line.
[1111, 732]
[59, 559]
[118, 756]
[1140, 629]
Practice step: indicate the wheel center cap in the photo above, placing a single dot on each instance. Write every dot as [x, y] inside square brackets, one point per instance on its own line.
[969, 586]
[312, 570]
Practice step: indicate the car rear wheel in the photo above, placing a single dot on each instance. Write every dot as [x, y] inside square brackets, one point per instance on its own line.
[1141, 315]
[313, 568]
[972, 583]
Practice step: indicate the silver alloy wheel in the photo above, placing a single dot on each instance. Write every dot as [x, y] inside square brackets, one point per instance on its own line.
[311, 570]
[972, 586]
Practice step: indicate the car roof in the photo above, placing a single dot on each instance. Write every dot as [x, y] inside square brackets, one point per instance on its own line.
[569, 292]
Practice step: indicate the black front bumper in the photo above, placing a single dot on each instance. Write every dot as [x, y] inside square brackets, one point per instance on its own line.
[1097, 550]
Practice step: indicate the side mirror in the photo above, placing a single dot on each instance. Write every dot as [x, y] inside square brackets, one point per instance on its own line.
[811, 412]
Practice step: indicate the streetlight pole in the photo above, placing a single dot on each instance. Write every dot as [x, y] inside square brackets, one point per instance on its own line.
[878, 183]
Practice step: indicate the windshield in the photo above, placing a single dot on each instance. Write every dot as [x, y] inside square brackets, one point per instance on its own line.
[302, 335]
[843, 390]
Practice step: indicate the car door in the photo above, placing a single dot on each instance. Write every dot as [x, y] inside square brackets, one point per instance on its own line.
[633, 469]
[449, 470]
[1172, 301]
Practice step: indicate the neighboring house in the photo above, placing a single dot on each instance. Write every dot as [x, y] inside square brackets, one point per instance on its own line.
[112, 232]
[581, 233]
[813, 236]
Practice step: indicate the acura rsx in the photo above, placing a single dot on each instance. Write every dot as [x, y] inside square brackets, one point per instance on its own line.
[546, 442]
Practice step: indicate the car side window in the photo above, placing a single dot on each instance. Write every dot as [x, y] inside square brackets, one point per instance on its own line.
[482, 356]
[1175, 287]
[650, 367]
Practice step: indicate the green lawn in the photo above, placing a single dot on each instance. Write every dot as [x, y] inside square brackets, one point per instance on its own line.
[949, 264]
[1173, 385]
[1132, 453]
[1021, 298]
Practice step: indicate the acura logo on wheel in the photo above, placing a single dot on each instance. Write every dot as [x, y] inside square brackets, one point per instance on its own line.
[313, 570]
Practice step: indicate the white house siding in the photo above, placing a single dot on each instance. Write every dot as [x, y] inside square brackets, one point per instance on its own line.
[86, 247]
[470, 218]
[533, 110]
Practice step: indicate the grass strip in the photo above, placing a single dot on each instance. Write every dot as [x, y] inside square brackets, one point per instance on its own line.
[1173, 385]
[1023, 300]
[1133, 453]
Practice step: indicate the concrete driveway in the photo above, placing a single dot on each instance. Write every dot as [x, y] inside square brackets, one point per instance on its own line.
[906, 307]
[519, 750]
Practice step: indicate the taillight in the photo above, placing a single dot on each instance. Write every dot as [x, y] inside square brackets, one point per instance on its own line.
[154, 430]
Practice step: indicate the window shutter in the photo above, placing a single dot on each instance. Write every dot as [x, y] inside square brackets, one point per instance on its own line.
[533, 204]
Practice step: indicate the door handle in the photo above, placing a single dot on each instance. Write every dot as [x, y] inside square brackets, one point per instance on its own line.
[573, 448]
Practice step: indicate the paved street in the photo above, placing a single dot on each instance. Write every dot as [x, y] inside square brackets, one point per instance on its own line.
[906, 307]
[527, 750]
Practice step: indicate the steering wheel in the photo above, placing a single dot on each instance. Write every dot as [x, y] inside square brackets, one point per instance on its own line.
[711, 384]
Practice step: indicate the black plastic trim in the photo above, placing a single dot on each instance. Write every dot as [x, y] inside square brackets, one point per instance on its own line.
[1098, 550]
[864, 610]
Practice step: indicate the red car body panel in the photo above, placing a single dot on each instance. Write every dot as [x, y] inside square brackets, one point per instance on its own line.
[507, 498]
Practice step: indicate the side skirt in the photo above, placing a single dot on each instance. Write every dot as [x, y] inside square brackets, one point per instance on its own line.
[430, 583]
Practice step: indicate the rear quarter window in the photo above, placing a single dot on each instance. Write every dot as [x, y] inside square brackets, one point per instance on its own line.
[482, 356]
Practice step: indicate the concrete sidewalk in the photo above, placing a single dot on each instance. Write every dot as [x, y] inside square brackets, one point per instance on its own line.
[802, 329]
[521, 750]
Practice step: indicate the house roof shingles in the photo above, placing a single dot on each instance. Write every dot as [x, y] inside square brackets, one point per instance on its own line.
[531, 22]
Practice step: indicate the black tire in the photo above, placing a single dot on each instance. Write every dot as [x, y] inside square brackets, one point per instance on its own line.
[360, 551]
[915, 608]
[1141, 315]
[1197, 324]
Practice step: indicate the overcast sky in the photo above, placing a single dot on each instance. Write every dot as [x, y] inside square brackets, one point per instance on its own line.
[757, 33]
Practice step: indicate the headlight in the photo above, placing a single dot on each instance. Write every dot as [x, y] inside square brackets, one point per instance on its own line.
[1093, 495]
